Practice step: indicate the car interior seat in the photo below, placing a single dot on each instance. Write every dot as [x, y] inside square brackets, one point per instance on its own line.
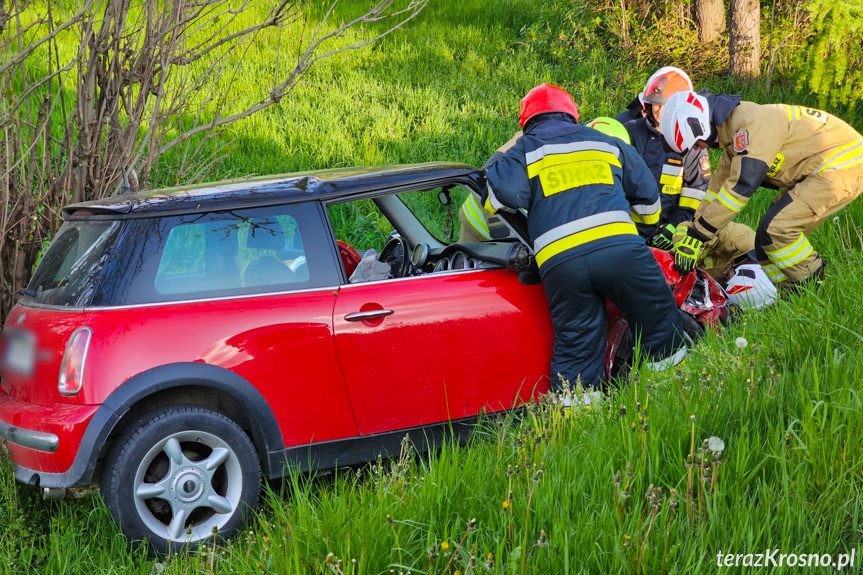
[266, 234]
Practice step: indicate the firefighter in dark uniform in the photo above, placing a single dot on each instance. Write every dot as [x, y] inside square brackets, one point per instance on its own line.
[636, 108]
[587, 197]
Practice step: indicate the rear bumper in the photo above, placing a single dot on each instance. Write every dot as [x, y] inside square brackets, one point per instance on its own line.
[47, 444]
[35, 440]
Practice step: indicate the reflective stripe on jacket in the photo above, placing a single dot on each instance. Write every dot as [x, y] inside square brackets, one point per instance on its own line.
[582, 190]
[774, 143]
[682, 181]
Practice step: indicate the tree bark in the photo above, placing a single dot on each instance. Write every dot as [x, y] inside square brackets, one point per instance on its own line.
[709, 19]
[744, 46]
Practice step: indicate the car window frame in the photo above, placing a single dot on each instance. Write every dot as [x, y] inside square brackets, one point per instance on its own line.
[398, 205]
[323, 270]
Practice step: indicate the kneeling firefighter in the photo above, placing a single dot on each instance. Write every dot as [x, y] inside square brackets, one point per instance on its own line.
[815, 156]
[588, 194]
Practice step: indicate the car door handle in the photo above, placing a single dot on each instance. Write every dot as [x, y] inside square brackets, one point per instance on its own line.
[367, 315]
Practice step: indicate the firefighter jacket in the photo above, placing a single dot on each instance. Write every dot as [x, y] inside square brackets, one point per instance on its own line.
[582, 190]
[778, 144]
[682, 181]
[634, 111]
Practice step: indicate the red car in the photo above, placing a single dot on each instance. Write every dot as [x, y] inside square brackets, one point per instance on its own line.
[173, 345]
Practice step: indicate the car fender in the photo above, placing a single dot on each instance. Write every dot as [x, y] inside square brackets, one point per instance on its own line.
[266, 434]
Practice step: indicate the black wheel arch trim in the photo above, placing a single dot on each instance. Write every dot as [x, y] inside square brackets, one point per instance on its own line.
[266, 434]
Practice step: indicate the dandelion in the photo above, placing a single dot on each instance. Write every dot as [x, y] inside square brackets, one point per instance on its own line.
[444, 546]
[505, 505]
[836, 220]
[715, 444]
[741, 343]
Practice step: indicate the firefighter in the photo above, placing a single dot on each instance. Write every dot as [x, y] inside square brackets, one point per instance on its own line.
[581, 186]
[682, 178]
[816, 157]
[476, 224]
[636, 108]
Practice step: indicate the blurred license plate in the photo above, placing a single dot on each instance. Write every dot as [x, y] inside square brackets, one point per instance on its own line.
[20, 353]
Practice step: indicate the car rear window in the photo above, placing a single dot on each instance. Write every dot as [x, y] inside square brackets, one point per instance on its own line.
[69, 271]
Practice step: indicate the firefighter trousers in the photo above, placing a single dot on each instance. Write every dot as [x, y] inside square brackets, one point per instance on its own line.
[576, 289]
[781, 243]
[728, 248]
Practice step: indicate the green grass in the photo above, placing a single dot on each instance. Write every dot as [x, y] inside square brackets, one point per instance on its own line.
[787, 406]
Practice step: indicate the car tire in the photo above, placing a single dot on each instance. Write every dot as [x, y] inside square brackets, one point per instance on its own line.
[179, 475]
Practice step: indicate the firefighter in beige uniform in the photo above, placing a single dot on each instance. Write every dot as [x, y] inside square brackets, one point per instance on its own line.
[815, 156]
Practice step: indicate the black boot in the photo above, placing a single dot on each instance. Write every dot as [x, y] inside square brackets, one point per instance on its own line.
[814, 281]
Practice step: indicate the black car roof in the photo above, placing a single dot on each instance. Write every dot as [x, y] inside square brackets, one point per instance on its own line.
[271, 190]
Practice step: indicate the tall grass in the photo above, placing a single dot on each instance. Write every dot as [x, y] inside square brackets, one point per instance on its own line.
[626, 487]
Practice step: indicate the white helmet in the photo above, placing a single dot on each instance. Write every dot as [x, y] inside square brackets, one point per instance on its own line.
[685, 120]
[750, 288]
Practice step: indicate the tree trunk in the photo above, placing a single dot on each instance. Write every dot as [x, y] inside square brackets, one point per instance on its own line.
[710, 19]
[744, 46]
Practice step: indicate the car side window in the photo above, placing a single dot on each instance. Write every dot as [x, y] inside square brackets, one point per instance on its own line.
[360, 224]
[219, 254]
[441, 220]
[232, 252]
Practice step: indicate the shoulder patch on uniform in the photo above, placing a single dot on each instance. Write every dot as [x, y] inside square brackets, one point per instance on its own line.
[741, 140]
[704, 162]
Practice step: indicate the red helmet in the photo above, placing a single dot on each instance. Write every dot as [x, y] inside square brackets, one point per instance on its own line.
[546, 98]
[663, 83]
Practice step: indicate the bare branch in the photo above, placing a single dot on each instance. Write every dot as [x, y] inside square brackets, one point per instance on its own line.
[21, 56]
[38, 84]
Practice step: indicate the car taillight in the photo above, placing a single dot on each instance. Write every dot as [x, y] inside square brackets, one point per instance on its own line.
[74, 358]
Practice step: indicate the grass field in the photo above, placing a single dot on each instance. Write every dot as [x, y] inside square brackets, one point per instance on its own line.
[627, 487]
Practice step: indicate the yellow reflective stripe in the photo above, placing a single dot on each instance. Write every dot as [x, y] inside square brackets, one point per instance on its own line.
[473, 214]
[681, 229]
[708, 263]
[793, 113]
[492, 204]
[689, 202]
[665, 179]
[669, 190]
[847, 153]
[791, 255]
[547, 162]
[581, 238]
[850, 158]
[774, 274]
[726, 200]
[648, 219]
[709, 196]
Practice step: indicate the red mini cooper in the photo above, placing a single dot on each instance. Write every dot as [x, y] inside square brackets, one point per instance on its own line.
[172, 345]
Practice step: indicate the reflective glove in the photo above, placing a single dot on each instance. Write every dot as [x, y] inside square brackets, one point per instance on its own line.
[686, 253]
[662, 238]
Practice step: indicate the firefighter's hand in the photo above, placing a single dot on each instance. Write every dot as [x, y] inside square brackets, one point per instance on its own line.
[686, 253]
[662, 238]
